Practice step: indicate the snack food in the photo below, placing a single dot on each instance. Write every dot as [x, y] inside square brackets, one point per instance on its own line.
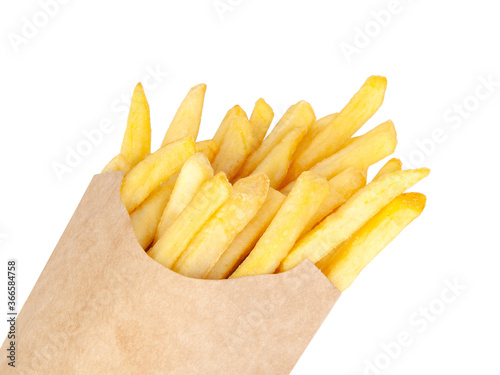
[235, 223]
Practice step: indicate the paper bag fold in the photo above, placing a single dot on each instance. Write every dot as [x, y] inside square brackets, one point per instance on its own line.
[103, 306]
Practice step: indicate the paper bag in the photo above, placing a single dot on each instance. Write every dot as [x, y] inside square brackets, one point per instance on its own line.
[103, 306]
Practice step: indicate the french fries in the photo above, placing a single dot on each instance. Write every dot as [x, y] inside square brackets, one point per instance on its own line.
[186, 122]
[154, 170]
[300, 115]
[352, 256]
[236, 144]
[209, 148]
[340, 225]
[118, 163]
[359, 109]
[276, 163]
[215, 236]
[342, 187]
[244, 242]
[299, 206]
[362, 152]
[146, 218]
[260, 120]
[211, 195]
[137, 139]
[202, 226]
[392, 165]
[193, 174]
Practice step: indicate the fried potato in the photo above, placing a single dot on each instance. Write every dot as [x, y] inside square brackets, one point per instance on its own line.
[300, 205]
[316, 127]
[194, 173]
[300, 115]
[118, 163]
[187, 119]
[211, 195]
[276, 163]
[333, 136]
[372, 238]
[392, 165]
[209, 148]
[212, 240]
[154, 170]
[261, 118]
[236, 145]
[366, 150]
[236, 111]
[137, 139]
[146, 217]
[245, 241]
[342, 187]
[351, 216]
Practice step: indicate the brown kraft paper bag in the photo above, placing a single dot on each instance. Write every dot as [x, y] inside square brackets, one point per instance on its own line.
[103, 306]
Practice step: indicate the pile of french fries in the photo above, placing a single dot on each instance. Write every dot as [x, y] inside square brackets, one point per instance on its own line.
[244, 203]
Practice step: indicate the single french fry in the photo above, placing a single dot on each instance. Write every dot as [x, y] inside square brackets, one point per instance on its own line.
[194, 173]
[299, 206]
[154, 170]
[235, 111]
[136, 143]
[351, 216]
[333, 136]
[211, 195]
[316, 127]
[245, 241]
[146, 217]
[342, 187]
[236, 145]
[186, 122]
[118, 163]
[372, 238]
[219, 231]
[276, 163]
[209, 148]
[392, 165]
[297, 116]
[261, 118]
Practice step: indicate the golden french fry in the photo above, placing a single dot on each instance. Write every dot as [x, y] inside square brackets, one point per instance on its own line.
[351, 216]
[186, 122]
[342, 187]
[392, 165]
[194, 173]
[136, 143]
[316, 127]
[146, 217]
[333, 136]
[276, 163]
[372, 238]
[154, 170]
[300, 115]
[236, 145]
[209, 148]
[245, 241]
[298, 208]
[211, 195]
[118, 163]
[219, 231]
[236, 111]
[261, 118]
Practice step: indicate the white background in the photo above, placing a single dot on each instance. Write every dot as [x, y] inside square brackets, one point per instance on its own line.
[80, 68]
